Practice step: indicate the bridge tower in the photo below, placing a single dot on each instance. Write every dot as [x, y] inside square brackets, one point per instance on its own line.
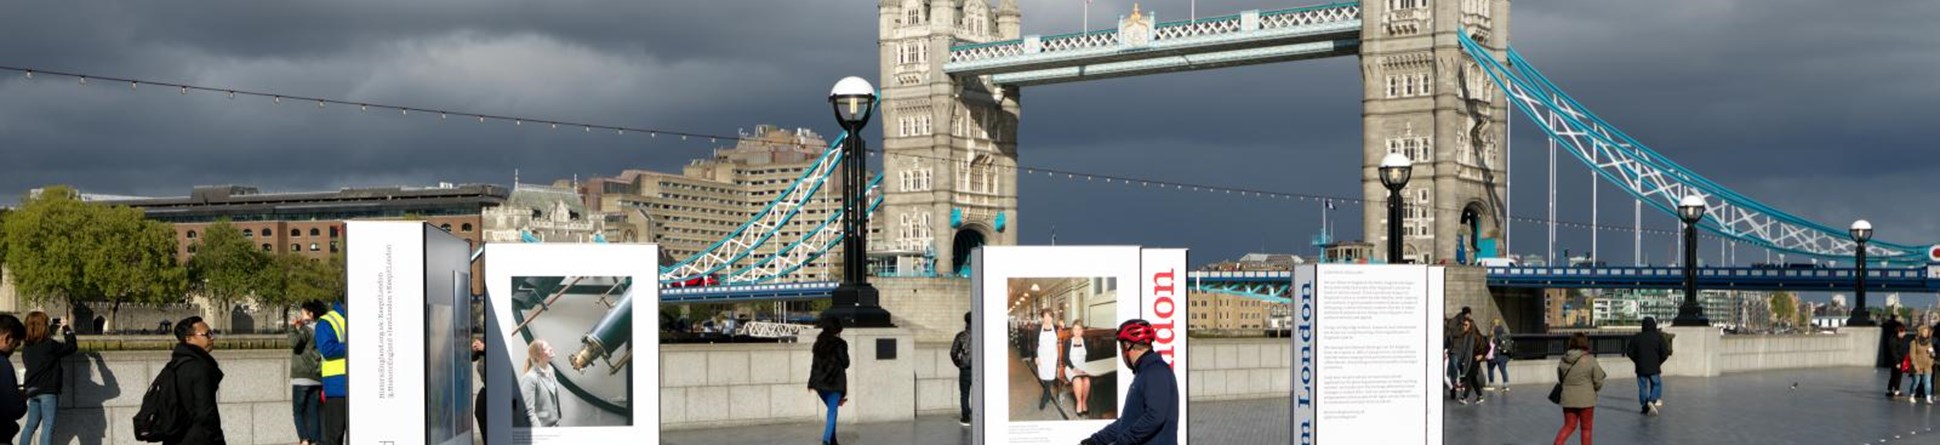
[950, 174]
[1424, 98]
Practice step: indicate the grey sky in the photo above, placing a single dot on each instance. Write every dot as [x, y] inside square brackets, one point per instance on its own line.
[1815, 107]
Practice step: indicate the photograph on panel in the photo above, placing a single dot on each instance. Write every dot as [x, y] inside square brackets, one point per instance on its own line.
[1063, 359]
[570, 350]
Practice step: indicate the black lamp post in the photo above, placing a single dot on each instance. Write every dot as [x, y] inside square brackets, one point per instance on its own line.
[1862, 232]
[1395, 171]
[855, 301]
[1691, 210]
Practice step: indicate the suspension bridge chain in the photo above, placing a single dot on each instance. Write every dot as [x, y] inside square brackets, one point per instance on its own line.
[1650, 177]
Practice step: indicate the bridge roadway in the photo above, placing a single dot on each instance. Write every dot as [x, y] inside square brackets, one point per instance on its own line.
[1829, 406]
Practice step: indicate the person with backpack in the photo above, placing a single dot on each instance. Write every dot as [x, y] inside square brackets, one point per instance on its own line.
[828, 372]
[12, 406]
[1648, 350]
[333, 344]
[960, 355]
[42, 387]
[1150, 414]
[1499, 356]
[196, 380]
[306, 378]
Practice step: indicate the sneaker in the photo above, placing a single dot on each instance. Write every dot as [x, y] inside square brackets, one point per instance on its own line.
[1479, 400]
[1659, 403]
[1645, 410]
[963, 422]
[1929, 400]
[1463, 401]
[1912, 399]
[1505, 387]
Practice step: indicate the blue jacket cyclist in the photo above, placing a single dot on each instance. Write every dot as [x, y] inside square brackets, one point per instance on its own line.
[1151, 412]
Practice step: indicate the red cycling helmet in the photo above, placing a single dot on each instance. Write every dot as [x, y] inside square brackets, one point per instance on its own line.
[1136, 331]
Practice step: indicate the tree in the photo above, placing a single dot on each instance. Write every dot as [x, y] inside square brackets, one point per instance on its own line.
[295, 279]
[133, 260]
[1785, 307]
[3, 240]
[228, 267]
[48, 240]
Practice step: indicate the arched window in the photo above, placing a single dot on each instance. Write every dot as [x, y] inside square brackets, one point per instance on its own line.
[333, 247]
[265, 232]
[191, 234]
[295, 232]
[313, 231]
[333, 231]
[248, 234]
[467, 227]
[446, 227]
[192, 248]
[266, 247]
[314, 247]
[295, 248]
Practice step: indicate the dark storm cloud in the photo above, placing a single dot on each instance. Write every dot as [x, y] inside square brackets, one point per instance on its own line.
[1815, 107]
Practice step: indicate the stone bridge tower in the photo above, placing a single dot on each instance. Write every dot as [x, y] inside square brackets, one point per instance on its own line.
[950, 174]
[1424, 98]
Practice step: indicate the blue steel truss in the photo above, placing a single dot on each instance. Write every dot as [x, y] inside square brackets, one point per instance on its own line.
[1652, 178]
[1736, 278]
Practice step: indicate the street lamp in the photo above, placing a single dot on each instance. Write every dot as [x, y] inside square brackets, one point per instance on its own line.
[1862, 232]
[1691, 210]
[855, 301]
[1395, 171]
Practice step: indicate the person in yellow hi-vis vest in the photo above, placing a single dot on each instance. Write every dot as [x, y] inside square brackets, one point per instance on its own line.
[333, 343]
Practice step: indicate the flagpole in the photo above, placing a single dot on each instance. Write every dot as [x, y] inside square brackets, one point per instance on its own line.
[1087, 17]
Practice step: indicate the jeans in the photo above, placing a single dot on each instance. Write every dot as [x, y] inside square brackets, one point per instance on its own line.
[1500, 363]
[40, 412]
[963, 394]
[1922, 385]
[1650, 388]
[306, 406]
[834, 401]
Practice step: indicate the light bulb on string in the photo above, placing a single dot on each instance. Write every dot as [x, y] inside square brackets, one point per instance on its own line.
[131, 85]
[30, 74]
[555, 126]
[363, 107]
[185, 91]
[84, 80]
[404, 112]
[232, 95]
[319, 104]
[276, 99]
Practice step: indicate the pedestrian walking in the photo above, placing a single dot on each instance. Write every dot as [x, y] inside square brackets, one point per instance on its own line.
[306, 375]
[197, 378]
[1470, 349]
[1150, 414]
[960, 354]
[1501, 346]
[1578, 379]
[1887, 337]
[333, 344]
[1896, 353]
[539, 386]
[42, 386]
[828, 374]
[12, 405]
[1648, 350]
[1920, 352]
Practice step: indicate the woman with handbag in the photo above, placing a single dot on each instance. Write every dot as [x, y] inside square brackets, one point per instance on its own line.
[1578, 379]
[1920, 353]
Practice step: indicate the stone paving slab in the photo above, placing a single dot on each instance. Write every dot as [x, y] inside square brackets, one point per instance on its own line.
[1830, 406]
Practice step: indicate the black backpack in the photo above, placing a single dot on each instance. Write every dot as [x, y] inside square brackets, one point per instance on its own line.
[161, 417]
[960, 350]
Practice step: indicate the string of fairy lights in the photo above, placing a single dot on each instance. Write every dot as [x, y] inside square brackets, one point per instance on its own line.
[656, 133]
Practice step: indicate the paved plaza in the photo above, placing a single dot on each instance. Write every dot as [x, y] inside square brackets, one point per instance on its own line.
[1829, 406]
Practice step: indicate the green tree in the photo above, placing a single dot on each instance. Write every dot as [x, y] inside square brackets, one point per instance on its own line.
[48, 243]
[228, 267]
[295, 279]
[1785, 307]
[3, 239]
[133, 260]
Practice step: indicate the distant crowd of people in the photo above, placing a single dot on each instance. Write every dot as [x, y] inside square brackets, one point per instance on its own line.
[1910, 356]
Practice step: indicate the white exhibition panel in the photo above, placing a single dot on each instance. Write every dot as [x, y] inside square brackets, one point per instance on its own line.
[395, 270]
[639, 262]
[1366, 354]
[1162, 287]
[996, 266]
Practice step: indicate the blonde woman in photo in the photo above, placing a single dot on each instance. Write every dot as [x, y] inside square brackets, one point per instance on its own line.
[539, 386]
[1074, 356]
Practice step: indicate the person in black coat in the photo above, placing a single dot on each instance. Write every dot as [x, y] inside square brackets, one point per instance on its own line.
[196, 380]
[1889, 334]
[828, 373]
[1648, 352]
[12, 405]
[1896, 349]
[42, 385]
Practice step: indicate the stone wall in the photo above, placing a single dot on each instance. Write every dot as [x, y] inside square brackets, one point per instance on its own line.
[932, 308]
[723, 385]
[103, 391]
[1239, 368]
